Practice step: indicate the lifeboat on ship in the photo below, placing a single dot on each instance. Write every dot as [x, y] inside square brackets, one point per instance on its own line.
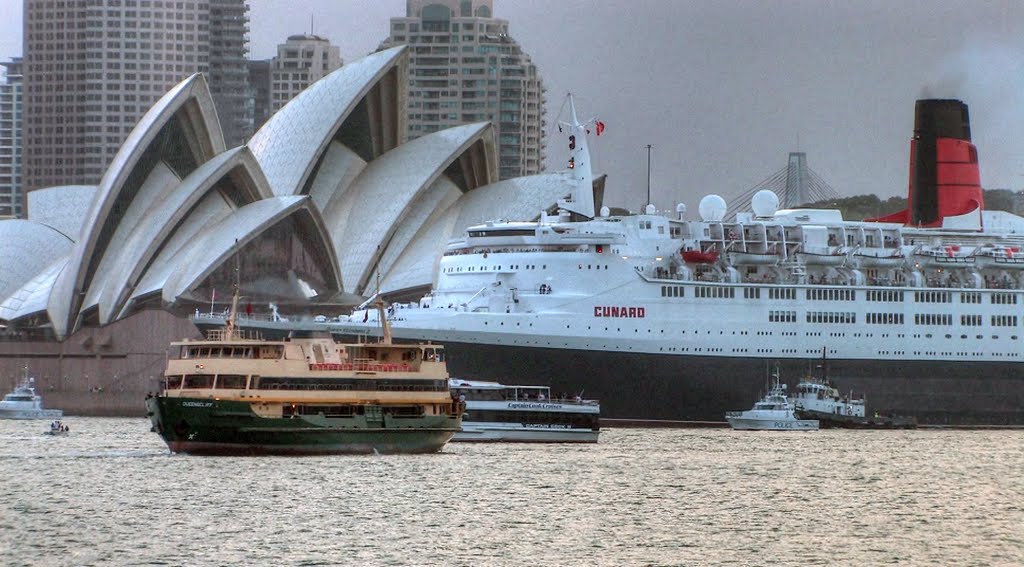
[825, 256]
[948, 256]
[878, 258]
[739, 258]
[710, 256]
[1000, 258]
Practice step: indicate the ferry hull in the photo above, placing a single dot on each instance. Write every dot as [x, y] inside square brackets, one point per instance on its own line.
[216, 427]
[702, 388]
[32, 414]
[515, 433]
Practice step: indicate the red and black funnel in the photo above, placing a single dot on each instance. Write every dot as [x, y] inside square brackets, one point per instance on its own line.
[944, 176]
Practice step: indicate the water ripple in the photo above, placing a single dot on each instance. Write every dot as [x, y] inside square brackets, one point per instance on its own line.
[110, 494]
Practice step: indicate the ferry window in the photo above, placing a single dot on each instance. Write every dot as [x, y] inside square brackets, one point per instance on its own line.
[231, 381]
[174, 382]
[198, 381]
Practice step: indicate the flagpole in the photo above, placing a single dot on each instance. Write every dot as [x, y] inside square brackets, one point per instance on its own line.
[648, 174]
[213, 296]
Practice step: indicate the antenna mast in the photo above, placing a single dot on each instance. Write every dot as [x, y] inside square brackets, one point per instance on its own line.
[648, 174]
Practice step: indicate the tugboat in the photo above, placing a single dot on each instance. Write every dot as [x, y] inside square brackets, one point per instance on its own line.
[774, 412]
[497, 412]
[25, 403]
[817, 398]
[237, 394]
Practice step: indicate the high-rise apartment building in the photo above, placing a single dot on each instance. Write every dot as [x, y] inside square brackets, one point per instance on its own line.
[228, 76]
[464, 67]
[300, 62]
[93, 67]
[10, 140]
[259, 91]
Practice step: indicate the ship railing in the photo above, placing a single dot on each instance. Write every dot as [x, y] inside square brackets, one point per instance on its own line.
[359, 366]
[233, 335]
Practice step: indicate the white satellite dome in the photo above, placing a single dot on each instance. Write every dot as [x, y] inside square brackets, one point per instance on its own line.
[605, 211]
[680, 210]
[650, 209]
[764, 203]
[712, 208]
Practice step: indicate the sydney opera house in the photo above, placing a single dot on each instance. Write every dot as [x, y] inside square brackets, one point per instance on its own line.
[325, 204]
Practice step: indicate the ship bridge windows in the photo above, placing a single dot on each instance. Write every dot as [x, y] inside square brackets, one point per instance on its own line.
[231, 381]
[933, 297]
[830, 294]
[884, 318]
[888, 295]
[752, 293]
[198, 381]
[939, 319]
[970, 297]
[1004, 320]
[831, 317]
[1004, 299]
[173, 382]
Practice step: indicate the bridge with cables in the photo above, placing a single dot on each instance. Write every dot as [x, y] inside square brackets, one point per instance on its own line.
[796, 185]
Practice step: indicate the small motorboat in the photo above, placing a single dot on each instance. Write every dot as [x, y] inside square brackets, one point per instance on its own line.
[58, 427]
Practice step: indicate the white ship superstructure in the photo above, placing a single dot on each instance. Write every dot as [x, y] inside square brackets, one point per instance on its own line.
[687, 299]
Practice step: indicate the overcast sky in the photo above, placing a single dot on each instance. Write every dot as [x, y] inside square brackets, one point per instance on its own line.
[724, 90]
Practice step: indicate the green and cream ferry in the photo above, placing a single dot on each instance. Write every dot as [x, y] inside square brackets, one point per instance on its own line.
[234, 393]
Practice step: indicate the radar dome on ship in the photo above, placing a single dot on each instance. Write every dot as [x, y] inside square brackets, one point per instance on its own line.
[605, 211]
[712, 208]
[650, 209]
[680, 210]
[764, 203]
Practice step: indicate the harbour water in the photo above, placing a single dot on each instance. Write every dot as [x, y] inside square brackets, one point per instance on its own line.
[110, 494]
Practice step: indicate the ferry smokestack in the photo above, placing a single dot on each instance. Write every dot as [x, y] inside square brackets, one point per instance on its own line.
[944, 175]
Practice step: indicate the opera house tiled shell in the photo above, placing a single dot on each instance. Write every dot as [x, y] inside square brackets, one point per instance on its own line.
[321, 203]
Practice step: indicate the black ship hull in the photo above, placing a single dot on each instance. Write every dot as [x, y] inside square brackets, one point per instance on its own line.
[644, 386]
[839, 421]
[702, 388]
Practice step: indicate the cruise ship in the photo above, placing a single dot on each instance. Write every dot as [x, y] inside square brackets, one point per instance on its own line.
[667, 318]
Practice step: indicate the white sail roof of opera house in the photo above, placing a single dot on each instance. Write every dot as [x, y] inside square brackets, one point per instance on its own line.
[322, 198]
[290, 145]
[177, 134]
[388, 186]
[61, 208]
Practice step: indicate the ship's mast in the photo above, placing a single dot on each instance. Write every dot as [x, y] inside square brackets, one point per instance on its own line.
[581, 200]
[385, 325]
[230, 326]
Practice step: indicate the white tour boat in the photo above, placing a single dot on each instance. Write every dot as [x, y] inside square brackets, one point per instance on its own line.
[499, 412]
[774, 412]
[25, 403]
